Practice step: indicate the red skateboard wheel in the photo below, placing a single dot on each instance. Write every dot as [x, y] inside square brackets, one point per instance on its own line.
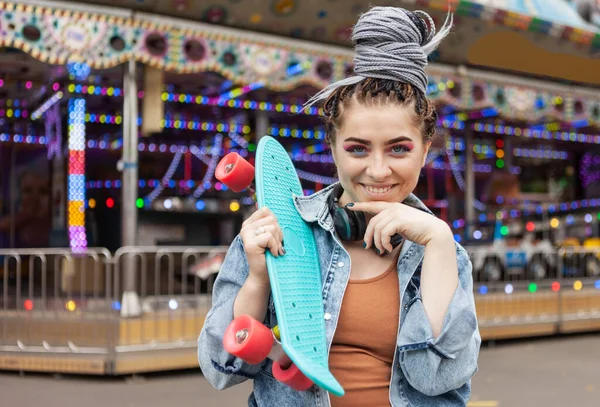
[235, 171]
[292, 376]
[248, 339]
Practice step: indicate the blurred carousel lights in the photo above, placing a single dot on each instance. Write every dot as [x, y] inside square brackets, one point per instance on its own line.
[47, 105]
[76, 180]
[78, 70]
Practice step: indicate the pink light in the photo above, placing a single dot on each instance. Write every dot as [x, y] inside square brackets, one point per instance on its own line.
[1, 83]
[28, 84]
[55, 86]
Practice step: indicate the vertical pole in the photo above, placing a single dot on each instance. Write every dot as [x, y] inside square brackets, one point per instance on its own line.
[469, 185]
[130, 306]
[262, 124]
[13, 194]
[130, 157]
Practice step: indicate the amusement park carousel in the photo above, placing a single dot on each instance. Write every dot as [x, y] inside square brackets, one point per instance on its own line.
[114, 115]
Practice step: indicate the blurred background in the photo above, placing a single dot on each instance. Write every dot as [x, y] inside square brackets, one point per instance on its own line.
[114, 114]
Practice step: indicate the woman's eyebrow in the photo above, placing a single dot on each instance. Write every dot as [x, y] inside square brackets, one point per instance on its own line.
[368, 143]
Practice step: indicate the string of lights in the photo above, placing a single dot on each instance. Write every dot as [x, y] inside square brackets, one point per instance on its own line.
[166, 178]
[216, 149]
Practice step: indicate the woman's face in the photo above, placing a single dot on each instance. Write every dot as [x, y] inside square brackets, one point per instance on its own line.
[379, 153]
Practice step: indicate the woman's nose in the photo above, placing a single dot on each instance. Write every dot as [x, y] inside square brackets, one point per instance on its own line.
[378, 169]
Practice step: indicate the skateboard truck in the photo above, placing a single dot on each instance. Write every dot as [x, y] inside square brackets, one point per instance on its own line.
[253, 342]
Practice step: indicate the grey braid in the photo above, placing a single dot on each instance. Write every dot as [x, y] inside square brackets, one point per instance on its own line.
[391, 43]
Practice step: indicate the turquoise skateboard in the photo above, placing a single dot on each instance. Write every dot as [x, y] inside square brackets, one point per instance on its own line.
[297, 345]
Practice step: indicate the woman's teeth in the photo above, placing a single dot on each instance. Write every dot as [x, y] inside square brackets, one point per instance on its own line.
[375, 190]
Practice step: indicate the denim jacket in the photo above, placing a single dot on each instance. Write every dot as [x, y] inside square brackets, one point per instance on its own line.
[426, 371]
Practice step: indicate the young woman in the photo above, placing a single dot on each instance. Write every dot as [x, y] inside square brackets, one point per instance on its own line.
[397, 292]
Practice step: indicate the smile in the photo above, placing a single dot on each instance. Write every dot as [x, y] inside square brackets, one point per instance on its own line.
[377, 191]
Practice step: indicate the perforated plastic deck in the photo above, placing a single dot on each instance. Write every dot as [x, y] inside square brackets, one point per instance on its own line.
[295, 277]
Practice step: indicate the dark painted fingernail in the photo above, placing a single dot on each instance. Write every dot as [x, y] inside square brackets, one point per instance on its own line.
[365, 245]
[283, 250]
[350, 205]
[282, 243]
[378, 252]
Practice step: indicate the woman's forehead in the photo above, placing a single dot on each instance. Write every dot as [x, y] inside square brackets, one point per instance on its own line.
[380, 121]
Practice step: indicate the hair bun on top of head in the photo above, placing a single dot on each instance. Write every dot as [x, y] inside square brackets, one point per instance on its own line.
[391, 43]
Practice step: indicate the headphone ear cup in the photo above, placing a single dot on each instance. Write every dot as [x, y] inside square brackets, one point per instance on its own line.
[342, 224]
[361, 224]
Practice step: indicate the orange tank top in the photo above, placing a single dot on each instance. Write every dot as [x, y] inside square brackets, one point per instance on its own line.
[363, 347]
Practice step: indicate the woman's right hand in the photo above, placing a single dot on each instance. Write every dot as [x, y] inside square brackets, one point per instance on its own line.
[260, 232]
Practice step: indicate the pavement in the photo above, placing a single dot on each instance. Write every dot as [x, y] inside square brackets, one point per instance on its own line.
[546, 372]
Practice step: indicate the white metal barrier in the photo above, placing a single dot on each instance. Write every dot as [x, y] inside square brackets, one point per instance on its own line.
[57, 302]
[536, 292]
[142, 300]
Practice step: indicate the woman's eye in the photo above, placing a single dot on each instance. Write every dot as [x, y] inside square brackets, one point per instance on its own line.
[356, 149]
[399, 149]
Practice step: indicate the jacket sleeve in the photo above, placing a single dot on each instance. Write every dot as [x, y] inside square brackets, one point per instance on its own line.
[221, 369]
[436, 366]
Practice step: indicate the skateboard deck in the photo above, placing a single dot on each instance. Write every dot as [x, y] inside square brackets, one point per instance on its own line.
[295, 277]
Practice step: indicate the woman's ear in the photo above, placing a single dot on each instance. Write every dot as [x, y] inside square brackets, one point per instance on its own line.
[425, 151]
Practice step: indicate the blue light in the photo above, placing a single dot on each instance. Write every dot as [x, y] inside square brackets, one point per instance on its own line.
[483, 290]
[457, 238]
[597, 284]
[539, 103]
[200, 205]
[489, 112]
[116, 305]
[78, 70]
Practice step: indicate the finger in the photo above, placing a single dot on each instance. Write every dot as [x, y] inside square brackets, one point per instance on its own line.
[274, 246]
[259, 214]
[272, 221]
[263, 242]
[368, 237]
[273, 230]
[389, 229]
[371, 207]
[378, 225]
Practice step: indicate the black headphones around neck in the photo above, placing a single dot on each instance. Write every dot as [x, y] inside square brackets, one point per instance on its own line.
[350, 226]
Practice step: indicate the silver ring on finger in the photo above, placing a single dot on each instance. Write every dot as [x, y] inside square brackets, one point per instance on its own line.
[259, 231]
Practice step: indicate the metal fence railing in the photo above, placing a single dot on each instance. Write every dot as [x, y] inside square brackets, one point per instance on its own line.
[57, 302]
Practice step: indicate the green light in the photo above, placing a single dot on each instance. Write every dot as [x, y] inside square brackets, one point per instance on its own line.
[504, 230]
[500, 163]
[598, 215]
[532, 287]
[139, 203]
[251, 147]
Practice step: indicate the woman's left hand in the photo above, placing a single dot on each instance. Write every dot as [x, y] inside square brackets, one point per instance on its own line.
[390, 218]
